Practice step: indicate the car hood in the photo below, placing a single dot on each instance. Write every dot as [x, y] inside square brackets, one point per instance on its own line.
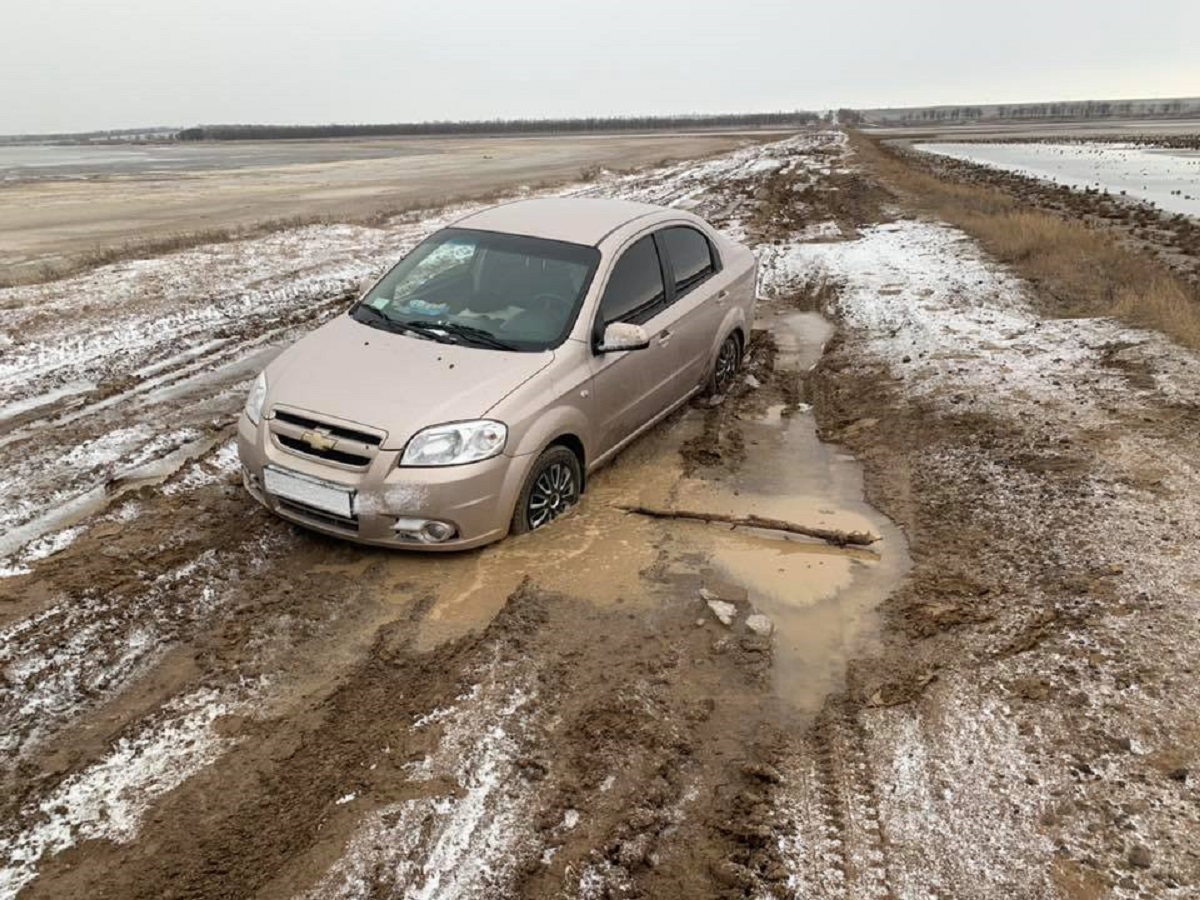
[393, 382]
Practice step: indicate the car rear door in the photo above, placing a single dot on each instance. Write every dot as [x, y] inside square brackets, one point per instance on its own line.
[631, 387]
[698, 296]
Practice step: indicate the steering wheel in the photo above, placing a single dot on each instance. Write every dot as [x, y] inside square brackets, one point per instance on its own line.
[546, 302]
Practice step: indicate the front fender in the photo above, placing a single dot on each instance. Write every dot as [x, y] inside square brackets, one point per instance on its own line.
[551, 425]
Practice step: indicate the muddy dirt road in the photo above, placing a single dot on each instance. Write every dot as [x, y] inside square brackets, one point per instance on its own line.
[993, 701]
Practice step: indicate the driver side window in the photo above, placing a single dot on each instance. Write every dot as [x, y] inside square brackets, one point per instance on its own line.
[635, 291]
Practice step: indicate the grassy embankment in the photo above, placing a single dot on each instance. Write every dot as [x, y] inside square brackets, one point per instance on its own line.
[1080, 270]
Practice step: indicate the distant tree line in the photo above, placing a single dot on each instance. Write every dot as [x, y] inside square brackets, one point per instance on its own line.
[1069, 110]
[111, 135]
[497, 126]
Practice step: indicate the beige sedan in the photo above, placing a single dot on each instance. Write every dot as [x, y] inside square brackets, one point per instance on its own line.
[472, 390]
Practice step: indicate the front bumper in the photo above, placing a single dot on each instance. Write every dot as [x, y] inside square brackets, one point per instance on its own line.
[477, 498]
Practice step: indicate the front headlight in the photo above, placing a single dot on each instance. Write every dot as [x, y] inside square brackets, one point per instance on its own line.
[456, 443]
[256, 398]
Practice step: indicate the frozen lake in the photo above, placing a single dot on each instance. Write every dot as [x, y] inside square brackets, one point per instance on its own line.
[1168, 179]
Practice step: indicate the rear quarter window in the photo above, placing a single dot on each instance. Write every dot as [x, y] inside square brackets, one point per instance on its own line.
[691, 254]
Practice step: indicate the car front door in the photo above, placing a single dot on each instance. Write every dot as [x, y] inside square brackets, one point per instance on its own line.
[631, 387]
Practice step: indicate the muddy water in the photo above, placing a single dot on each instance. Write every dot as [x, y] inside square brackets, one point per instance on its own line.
[597, 551]
[820, 598]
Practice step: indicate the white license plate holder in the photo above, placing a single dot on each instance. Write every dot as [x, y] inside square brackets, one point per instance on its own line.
[322, 495]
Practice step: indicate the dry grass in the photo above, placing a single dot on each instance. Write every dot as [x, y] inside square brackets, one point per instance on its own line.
[1079, 270]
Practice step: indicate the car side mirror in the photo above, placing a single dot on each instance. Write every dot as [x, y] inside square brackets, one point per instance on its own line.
[366, 284]
[621, 336]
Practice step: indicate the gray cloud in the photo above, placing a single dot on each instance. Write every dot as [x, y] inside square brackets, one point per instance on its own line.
[69, 65]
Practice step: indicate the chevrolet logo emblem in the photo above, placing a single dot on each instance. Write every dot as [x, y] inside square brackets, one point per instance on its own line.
[319, 439]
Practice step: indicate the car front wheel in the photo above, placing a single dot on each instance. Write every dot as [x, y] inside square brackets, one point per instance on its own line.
[551, 489]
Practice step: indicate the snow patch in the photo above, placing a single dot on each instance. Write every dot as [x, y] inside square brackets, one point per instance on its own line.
[108, 800]
[449, 847]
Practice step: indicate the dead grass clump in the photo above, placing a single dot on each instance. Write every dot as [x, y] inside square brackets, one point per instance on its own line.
[1077, 270]
[1161, 304]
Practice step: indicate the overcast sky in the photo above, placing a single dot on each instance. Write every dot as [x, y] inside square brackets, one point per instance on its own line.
[70, 65]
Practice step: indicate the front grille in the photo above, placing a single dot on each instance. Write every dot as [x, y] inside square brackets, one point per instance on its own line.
[318, 516]
[337, 431]
[296, 432]
[346, 459]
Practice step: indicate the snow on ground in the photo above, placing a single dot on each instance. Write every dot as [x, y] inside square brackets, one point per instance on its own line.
[105, 640]
[108, 799]
[214, 467]
[944, 317]
[41, 548]
[450, 846]
[954, 776]
[102, 643]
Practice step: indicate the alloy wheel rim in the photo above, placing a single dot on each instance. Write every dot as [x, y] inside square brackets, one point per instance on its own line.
[726, 365]
[554, 492]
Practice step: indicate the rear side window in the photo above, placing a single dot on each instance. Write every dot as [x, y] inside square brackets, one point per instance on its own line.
[635, 290]
[690, 254]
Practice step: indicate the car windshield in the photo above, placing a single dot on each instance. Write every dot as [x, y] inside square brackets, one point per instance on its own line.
[484, 289]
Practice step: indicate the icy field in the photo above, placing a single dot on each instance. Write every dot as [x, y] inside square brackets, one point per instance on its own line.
[1168, 179]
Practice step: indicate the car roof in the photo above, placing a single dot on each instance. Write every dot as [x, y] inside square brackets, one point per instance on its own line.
[577, 220]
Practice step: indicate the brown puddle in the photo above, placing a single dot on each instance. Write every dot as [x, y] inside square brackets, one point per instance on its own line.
[820, 598]
[597, 552]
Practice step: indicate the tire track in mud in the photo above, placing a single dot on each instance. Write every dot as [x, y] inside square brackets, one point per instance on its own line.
[831, 837]
[44, 452]
[519, 762]
[852, 807]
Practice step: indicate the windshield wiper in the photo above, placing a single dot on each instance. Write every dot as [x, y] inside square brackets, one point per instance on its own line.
[447, 332]
[426, 330]
[478, 335]
[387, 321]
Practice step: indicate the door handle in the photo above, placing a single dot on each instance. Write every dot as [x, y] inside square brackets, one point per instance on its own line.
[664, 338]
[722, 296]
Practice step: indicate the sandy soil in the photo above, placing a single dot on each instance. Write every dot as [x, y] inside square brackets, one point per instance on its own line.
[47, 223]
[993, 701]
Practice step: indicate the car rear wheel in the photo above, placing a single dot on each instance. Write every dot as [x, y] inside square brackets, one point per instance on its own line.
[551, 489]
[729, 358]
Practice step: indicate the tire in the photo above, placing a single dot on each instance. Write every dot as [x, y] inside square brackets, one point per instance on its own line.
[725, 369]
[551, 490]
